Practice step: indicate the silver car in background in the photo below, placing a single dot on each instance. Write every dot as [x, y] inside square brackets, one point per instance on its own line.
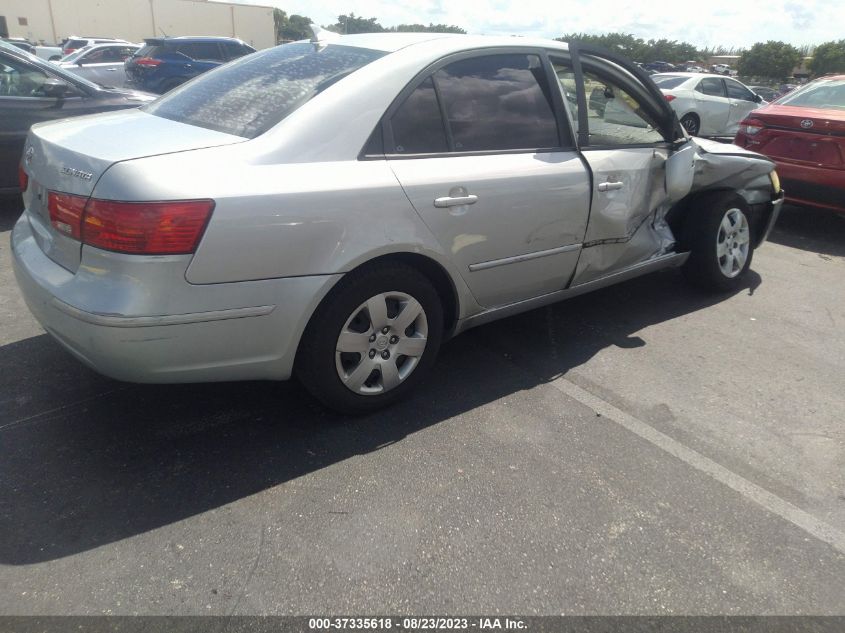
[338, 208]
[101, 63]
[708, 105]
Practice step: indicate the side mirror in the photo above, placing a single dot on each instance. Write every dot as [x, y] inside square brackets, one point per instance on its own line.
[758, 99]
[55, 88]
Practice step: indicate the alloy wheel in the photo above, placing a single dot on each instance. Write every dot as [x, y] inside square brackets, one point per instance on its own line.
[733, 243]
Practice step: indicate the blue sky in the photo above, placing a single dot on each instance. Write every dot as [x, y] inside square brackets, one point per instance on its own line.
[707, 23]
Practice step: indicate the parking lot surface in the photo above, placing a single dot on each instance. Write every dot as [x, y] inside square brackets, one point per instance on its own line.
[642, 449]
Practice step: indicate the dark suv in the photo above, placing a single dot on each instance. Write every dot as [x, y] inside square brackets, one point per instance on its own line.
[165, 62]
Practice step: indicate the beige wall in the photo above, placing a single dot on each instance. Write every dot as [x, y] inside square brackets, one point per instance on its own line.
[133, 20]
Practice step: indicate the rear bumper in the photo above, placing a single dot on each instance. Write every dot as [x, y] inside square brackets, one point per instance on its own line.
[242, 331]
[813, 186]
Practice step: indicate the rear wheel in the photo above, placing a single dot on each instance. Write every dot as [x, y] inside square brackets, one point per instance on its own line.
[372, 340]
[691, 124]
[718, 234]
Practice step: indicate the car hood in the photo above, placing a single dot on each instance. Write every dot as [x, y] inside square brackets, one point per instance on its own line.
[70, 155]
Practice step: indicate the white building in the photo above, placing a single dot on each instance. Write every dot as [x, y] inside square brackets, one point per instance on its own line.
[51, 21]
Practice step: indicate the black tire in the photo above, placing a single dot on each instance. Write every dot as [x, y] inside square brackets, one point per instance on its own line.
[691, 124]
[705, 237]
[316, 359]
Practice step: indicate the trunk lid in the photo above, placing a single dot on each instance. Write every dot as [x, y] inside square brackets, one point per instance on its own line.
[803, 135]
[70, 157]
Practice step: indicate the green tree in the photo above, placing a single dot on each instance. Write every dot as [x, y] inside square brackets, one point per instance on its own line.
[422, 28]
[291, 28]
[828, 58]
[356, 24]
[637, 49]
[774, 60]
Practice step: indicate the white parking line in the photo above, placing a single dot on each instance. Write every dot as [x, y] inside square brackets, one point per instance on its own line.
[747, 489]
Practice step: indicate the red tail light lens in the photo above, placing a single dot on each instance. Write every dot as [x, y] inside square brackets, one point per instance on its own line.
[751, 127]
[669, 97]
[148, 61]
[66, 213]
[23, 178]
[141, 228]
[146, 228]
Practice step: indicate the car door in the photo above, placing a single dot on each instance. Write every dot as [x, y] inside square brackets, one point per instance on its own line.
[492, 172]
[742, 102]
[628, 156]
[713, 106]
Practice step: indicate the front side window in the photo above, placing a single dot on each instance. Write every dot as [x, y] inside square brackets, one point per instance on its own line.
[250, 95]
[738, 91]
[498, 102]
[614, 116]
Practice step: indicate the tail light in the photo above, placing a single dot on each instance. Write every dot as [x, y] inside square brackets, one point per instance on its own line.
[66, 213]
[751, 127]
[140, 228]
[23, 178]
[148, 61]
[669, 98]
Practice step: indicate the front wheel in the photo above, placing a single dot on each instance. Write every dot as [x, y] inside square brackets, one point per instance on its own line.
[373, 339]
[718, 234]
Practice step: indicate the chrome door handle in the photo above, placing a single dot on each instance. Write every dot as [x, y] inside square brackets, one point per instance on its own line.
[610, 186]
[449, 201]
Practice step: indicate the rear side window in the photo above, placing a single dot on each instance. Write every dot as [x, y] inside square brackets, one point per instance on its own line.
[251, 95]
[76, 43]
[149, 51]
[234, 50]
[711, 86]
[417, 125]
[667, 82]
[498, 102]
[209, 51]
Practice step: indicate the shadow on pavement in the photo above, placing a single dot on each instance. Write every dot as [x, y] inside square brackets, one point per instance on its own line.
[86, 461]
[816, 230]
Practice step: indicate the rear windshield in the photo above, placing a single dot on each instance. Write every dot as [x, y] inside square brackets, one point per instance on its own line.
[822, 93]
[667, 82]
[249, 96]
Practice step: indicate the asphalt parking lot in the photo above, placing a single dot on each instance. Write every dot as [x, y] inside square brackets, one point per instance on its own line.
[643, 449]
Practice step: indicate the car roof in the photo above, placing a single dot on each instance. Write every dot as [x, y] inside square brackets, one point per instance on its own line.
[691, 75]
[392, 42]
[192, 38]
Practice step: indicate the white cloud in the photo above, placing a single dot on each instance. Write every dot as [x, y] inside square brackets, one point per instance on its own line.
[725, 22]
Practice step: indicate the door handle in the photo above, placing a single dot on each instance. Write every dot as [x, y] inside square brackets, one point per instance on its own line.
[455, 201]
[610, 186]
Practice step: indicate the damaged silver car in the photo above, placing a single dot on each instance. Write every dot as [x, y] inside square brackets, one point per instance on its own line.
[337, 208]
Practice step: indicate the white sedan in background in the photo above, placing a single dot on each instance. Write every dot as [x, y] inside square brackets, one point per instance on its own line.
[101, 63]
[708, 105]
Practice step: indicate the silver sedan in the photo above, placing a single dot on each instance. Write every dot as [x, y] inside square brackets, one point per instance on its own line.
[337, 208]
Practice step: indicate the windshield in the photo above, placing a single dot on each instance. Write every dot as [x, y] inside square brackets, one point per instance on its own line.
[826, 94]
[249, 96]
[667, 82]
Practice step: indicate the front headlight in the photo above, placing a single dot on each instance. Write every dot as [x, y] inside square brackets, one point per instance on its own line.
[773, 176]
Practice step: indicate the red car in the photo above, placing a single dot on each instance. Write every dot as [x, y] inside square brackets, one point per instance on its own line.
[804, 133]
